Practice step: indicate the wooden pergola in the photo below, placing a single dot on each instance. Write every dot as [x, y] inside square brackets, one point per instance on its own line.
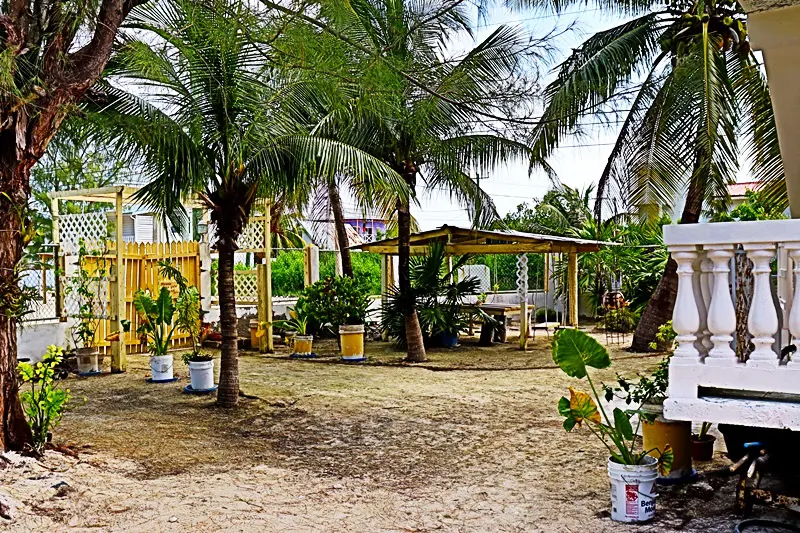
[464, 241]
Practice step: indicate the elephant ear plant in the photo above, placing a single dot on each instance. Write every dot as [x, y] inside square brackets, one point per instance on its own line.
[575, 352]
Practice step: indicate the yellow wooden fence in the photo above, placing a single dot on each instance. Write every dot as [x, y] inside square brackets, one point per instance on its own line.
[142, 272]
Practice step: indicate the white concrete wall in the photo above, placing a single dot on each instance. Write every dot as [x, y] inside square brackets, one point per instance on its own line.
[34, 338]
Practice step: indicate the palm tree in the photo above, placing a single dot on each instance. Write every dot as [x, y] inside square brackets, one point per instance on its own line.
[424, 112]
[211, 120]
[698, 104]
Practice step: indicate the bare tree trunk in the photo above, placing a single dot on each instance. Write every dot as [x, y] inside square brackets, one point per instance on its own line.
[15, 434]
[659, 308]
[341, 230]
[228, 391]
[415, 345]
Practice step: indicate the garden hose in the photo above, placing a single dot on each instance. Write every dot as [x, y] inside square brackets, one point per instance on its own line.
[758, 522]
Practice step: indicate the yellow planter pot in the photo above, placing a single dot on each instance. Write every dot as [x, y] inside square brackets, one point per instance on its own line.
[255, 342]
[352, 341]
[676, 433]
[302, 345]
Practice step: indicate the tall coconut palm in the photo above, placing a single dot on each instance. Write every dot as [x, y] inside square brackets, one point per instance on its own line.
[424, 110]
[209, 119]
[695, 103]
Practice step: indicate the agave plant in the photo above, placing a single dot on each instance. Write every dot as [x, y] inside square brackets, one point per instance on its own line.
[436, 295]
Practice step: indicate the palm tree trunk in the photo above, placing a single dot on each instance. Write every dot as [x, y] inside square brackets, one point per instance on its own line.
[341, 230]
[415, 345]
[15, 434]
[228, 391]
[659, 308]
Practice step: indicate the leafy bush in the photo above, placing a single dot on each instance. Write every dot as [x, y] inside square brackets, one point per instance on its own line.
[45, 402]
[288, 277]
[621, 320]
[649, 389]
[552, 315]
[287, 273]
[336, 301]
[665, 338]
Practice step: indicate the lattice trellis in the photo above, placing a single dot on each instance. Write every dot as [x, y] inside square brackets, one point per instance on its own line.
[252, 238]
[522, 277]
[245, 284]
[91, 227]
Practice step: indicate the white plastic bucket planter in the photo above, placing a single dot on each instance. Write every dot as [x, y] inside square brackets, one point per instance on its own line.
[201, 374]
[633, 495]
[161, 367]
[88, 361]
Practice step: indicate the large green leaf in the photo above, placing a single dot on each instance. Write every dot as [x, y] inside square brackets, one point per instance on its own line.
[165, 307]
[574, 350]
[623, 424]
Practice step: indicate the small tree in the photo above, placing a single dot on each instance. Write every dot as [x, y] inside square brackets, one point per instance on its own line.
[44, 402]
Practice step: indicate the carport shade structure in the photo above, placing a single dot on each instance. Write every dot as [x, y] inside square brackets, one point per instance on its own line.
[463, 241]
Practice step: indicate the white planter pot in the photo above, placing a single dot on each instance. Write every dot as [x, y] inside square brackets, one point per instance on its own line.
[201, 374]
[88, 360]
[633, 493]
[161, 367]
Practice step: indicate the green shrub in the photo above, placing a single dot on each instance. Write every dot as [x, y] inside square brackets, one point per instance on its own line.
[45, 402]
[287, 273]
[665, 338]
[335, 301]
[621, 320]
[552, 315]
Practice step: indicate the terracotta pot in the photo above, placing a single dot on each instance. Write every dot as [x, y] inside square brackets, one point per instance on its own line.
[703, 450]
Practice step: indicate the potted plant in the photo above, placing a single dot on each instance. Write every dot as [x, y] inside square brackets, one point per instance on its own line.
[649, 392]
[156, 317]
[303, 343]
[439, 300]
[703, 444]
[90, 309]
[188, 320]
[632, 472]
[342, 302]
[665, 338]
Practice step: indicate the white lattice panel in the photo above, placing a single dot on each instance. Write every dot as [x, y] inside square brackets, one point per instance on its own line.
[245, 285]
[252, 238]
[91, 227]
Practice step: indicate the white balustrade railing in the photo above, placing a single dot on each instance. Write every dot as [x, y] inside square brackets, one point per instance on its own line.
[705, 368]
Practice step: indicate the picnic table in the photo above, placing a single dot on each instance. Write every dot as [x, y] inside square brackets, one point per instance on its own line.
[501, 312]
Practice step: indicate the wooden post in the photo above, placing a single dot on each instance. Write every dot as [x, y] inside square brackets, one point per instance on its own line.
[523, 324]
[572, 287]
[310, 265]
[119, 356]
[386, 271]
[263, 308]
[269, 346]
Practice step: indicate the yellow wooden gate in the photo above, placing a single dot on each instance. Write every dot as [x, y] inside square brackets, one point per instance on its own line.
[142, 272]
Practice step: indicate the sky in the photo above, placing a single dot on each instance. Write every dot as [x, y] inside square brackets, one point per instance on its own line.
[578, 164]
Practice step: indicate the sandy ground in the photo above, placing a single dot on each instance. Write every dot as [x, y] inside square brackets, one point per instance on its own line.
[471, 442]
